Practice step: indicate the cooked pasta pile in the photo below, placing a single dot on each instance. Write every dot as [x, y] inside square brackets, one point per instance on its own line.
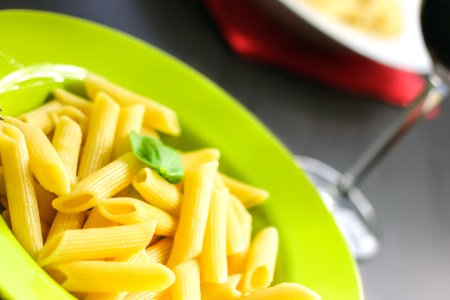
[106, 225]
[380, 17]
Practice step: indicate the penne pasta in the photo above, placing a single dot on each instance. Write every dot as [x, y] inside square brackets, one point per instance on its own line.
[244, 218]
[44, 161]
[285, 290]
[236, 240]
[100, 137]
[222, 291]
[260, 263]
[103, 183]
[73, 113]
[40, 117]
[67, 98]
[213, 259]
[44, 200]
[188, 240]
[150, 132]
[157, 116]
[249, 195]
[108, 276]
[236, 262]
[67, 142]
[23, 208]
[130, 118]
[96, 243]
[2, 182]
[132, 211]
[187, 282]
[97, 220]
[193, 159]
[45, 229]
[157, 191]
[64, 222]
[159, 252]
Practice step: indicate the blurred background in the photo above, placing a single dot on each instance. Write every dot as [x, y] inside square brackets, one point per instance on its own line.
[323, 101]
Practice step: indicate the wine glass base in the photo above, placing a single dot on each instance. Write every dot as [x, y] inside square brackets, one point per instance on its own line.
[352, 212]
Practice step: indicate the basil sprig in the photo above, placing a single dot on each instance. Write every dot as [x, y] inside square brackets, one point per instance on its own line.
[163, 159]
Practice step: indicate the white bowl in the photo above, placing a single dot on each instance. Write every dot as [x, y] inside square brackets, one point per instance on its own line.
[406, 51]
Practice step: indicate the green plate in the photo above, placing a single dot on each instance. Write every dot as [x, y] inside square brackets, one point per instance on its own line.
[312, 251]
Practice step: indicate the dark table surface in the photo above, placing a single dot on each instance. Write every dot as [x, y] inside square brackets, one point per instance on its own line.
[409, 188]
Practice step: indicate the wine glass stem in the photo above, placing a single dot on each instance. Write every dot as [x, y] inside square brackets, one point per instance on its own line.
[434, 91]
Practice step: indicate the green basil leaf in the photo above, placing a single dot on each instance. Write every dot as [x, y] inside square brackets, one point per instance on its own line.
[163, 159]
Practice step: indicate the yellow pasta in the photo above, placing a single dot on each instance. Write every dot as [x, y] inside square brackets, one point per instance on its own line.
[22, 206]
[159, 252]
[70, 99]
[213, 260]
[236, 262]
[97, 220]
[44, 200]
[100, 137]
[139, 257]
[67, 142]
[157, 191]
[222, 291]
[188, 240]
[260, 263]
[96, 243]
[187, 283]
[132, 211]
[286, 290]
[73, 113]
[45, 229]
[40, 117]
[150, 132]
[65, 222]
[130, 118]
[44, 161]
[109, 276]
[236, 239]
[194, 159]
[244, 219]
[157, 116]
[103, 183]
[249, 195]
[2, 182]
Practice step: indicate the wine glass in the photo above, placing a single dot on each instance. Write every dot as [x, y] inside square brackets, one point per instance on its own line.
[352, 211]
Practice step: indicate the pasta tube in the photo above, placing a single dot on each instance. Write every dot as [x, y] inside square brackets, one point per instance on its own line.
[44, 200]
[96, 243]
[66, 221]
[73, 113]
[40, 117]
[249, 195]
[130, 118]
[188, 240]
[44, 161]
[2, 182]
[187, 283]
[222, 291]
[108, 276]
[157, 191]
[97, 220]
[260, 264]
[157, 116]
[132, 211]
[23, 208]
[194, 159]
[159, 252]
[213, 260]
[285, 290]
[100, 137]
[67, 98]
[103, 183]
[67, 142]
